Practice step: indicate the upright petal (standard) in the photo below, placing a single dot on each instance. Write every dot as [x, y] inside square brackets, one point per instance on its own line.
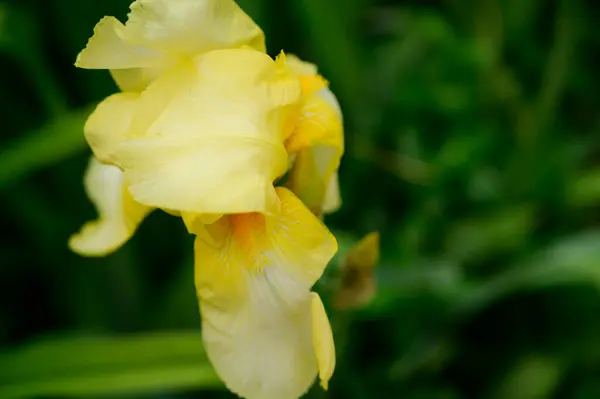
[160, 34]
[212, 142]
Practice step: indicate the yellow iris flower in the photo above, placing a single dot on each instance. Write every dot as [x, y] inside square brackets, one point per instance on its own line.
[205, 126]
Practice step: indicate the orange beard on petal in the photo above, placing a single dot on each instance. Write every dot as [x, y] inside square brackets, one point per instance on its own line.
[248, 231]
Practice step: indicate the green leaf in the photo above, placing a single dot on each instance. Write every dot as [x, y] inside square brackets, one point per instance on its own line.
[535, 376]
[121, 365]
[334, 42]
[502, 230]
[20, 38]
[571, 260]
[585, 189]
[18, 31]
[50, 144]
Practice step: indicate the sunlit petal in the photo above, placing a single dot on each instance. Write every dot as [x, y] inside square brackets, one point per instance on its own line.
[205, 175]
[301, 67]
[108, 49]
[187, 27]
[118, 214]
[239, 92]
[160, 34]
[207, 137]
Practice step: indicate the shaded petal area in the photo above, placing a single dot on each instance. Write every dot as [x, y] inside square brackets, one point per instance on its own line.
[118, 214]
[253, 280]
[318, 142]
[107, 127]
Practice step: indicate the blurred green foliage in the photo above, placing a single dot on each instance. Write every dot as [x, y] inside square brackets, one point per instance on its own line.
[472, 146]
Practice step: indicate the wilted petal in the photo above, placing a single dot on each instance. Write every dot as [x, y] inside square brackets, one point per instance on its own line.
[118, 214]
[357, 274]
[108, 125]
[253, 279]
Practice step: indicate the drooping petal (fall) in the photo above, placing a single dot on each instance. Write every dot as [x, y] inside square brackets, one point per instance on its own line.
[159, 34]
[118, 214]
[209, 139]
[253, 280]
[108, 125]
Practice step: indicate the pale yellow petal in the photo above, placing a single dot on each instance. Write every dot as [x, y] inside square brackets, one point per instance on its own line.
[118, 214]
[108, 125]
[239, 92]
[301, 67]
[204, 175]
[311, 174]
[207, 137]
[332, 100]
[186, 28]
[196, 221]
[319, 124]
[318, 141]
[253, 279]
[107, 49]
[333, 199]
[322, 340]
[132, 66]
[136, 79]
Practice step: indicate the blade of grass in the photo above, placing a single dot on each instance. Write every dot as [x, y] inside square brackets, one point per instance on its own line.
[107, 365]
[51, 143]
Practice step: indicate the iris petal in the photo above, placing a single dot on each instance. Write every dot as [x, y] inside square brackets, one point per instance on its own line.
[160, 34]
[253, 279]
[207, 137]
[118, 214]
[109, 124]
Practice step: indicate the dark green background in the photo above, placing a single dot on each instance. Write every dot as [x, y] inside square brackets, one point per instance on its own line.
[472, 146]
